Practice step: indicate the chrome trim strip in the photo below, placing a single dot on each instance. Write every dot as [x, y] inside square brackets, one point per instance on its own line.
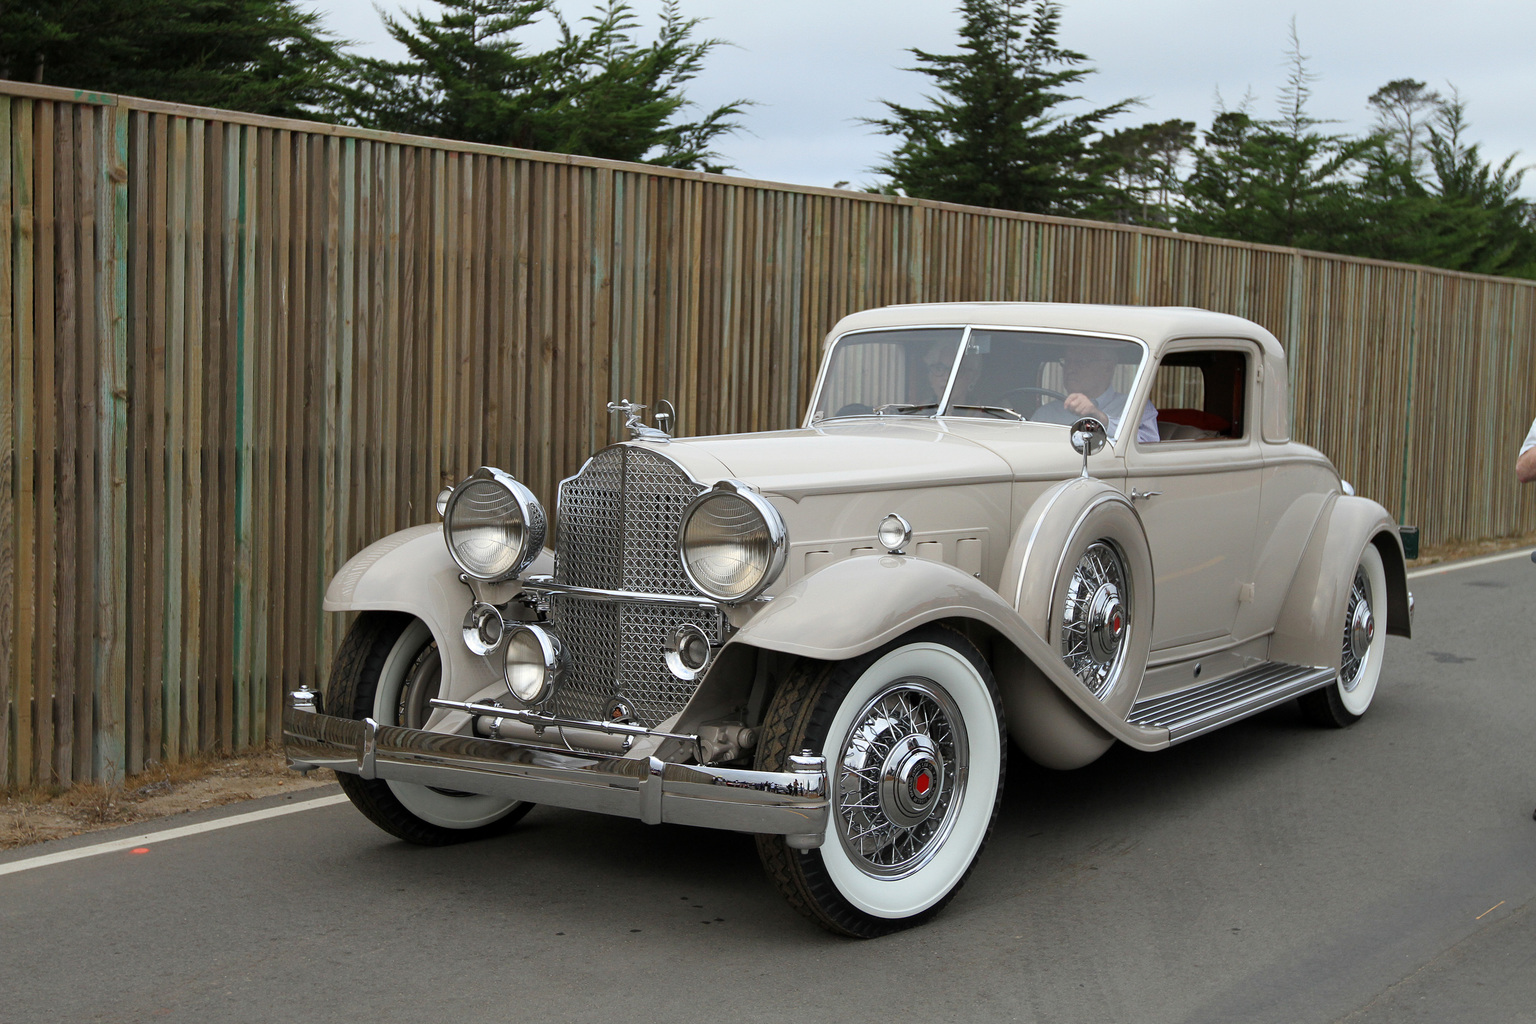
[788, 803]
[543, 720]
[547, 585]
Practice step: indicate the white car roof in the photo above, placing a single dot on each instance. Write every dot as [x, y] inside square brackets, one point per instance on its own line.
[1155, 325]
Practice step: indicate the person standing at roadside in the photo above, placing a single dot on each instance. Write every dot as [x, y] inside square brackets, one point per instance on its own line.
[1525, 465]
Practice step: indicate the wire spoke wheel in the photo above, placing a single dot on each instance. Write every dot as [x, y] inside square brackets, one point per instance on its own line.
[1362, 648]
[900, 778]
[915, 747]
[1094, 616]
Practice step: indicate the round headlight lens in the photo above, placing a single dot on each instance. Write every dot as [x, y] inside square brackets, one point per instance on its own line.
[533, 663]
[494, 525]
[732, 543]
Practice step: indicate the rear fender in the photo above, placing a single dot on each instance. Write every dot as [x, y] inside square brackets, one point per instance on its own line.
[1308, 629]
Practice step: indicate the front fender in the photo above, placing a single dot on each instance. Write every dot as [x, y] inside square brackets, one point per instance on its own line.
[1308, 629]
[858, 604]
[412, 572]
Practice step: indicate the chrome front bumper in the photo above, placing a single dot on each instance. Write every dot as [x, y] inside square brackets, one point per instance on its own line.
[792, 804]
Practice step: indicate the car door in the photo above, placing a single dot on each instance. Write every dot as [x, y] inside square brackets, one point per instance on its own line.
[1197, 490]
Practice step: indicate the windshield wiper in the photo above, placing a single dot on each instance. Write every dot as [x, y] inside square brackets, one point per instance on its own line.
[903, 407]
[992, 408]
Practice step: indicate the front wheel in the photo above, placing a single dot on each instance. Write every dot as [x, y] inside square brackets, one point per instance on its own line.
[914, 741]
[389, 669]
[1342, 703]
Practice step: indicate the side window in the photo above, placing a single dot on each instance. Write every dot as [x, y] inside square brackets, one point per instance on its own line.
[1201, 396]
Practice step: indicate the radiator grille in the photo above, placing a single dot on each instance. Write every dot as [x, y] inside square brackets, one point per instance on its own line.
[618, 523]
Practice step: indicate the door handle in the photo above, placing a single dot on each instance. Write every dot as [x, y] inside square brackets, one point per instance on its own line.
[1138, 495]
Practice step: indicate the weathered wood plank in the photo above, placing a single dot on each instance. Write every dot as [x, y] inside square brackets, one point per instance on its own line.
[179, 710]
[160, 742]
[111, 523]
[45, 655]
[140, 617]
[68, 154]
[8, 719]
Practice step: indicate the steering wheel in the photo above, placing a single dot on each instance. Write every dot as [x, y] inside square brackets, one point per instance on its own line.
[1047, 392]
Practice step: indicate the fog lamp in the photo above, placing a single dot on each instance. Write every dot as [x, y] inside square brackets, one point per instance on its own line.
[534, 663]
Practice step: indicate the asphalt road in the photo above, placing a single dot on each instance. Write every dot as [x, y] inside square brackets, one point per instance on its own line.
[1268, 872]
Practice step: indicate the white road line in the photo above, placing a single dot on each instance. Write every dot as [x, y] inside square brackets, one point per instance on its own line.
[1471, 563]
[151, 838]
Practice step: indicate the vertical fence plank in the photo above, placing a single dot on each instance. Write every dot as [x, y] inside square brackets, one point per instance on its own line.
[24, 269]
[68, 154]
[8, 717]
[45, 653]
[139, 615]
[111, 584]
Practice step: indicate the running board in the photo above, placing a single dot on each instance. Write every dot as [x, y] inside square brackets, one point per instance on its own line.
[1199, 709]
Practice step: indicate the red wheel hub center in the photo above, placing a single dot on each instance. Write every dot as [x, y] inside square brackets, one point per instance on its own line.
[922, 784]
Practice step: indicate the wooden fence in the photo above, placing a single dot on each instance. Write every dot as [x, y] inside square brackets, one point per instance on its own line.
[233, 350]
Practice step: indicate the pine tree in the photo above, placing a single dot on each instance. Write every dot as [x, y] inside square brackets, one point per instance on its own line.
[596, 92]
[1279, 181]
[994, 135]
[260, 56]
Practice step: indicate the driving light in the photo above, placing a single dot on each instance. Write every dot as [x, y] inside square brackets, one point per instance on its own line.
[893, 534]
[732, 542]
[493, 525]
[534, 663]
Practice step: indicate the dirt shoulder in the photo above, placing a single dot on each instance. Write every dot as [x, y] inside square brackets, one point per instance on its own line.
[39, 815]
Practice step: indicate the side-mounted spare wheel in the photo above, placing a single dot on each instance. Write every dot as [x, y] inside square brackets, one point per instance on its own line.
[1345, 700]
[1080, 575]
[914, 740]
[388, 669]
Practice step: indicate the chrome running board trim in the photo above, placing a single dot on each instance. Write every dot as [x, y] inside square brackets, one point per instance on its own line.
[790, 803]
[1199, 709]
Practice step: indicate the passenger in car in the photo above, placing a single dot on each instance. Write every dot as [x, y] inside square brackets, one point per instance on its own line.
[1086, 371]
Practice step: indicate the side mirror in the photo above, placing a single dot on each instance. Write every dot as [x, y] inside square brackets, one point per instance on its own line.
[1088, 438]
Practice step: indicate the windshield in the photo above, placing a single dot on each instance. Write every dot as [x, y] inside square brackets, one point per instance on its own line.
[981, 372]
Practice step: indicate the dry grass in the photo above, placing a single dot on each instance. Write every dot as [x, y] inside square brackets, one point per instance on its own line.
[37, 815]
[1459, 550]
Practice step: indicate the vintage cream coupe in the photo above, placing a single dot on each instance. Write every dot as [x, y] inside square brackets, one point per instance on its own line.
[1063, 525]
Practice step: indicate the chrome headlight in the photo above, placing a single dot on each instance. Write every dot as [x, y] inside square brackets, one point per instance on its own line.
[732, 543]
[494, 525]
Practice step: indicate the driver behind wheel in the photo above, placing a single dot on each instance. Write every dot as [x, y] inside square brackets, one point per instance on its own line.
[1089, 370]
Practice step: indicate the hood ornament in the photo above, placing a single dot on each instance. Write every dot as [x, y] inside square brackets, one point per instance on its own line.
[666, 417]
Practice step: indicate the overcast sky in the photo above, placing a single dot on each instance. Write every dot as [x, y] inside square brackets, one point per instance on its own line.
[814, 67]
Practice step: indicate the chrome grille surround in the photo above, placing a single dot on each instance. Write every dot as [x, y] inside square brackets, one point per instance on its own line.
[618, 522]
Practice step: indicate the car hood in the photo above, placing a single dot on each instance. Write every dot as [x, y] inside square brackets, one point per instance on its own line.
[874, 455]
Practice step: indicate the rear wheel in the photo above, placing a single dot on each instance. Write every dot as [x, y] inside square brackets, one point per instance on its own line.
[1345, 700]
[915, 751]
[389, 669]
